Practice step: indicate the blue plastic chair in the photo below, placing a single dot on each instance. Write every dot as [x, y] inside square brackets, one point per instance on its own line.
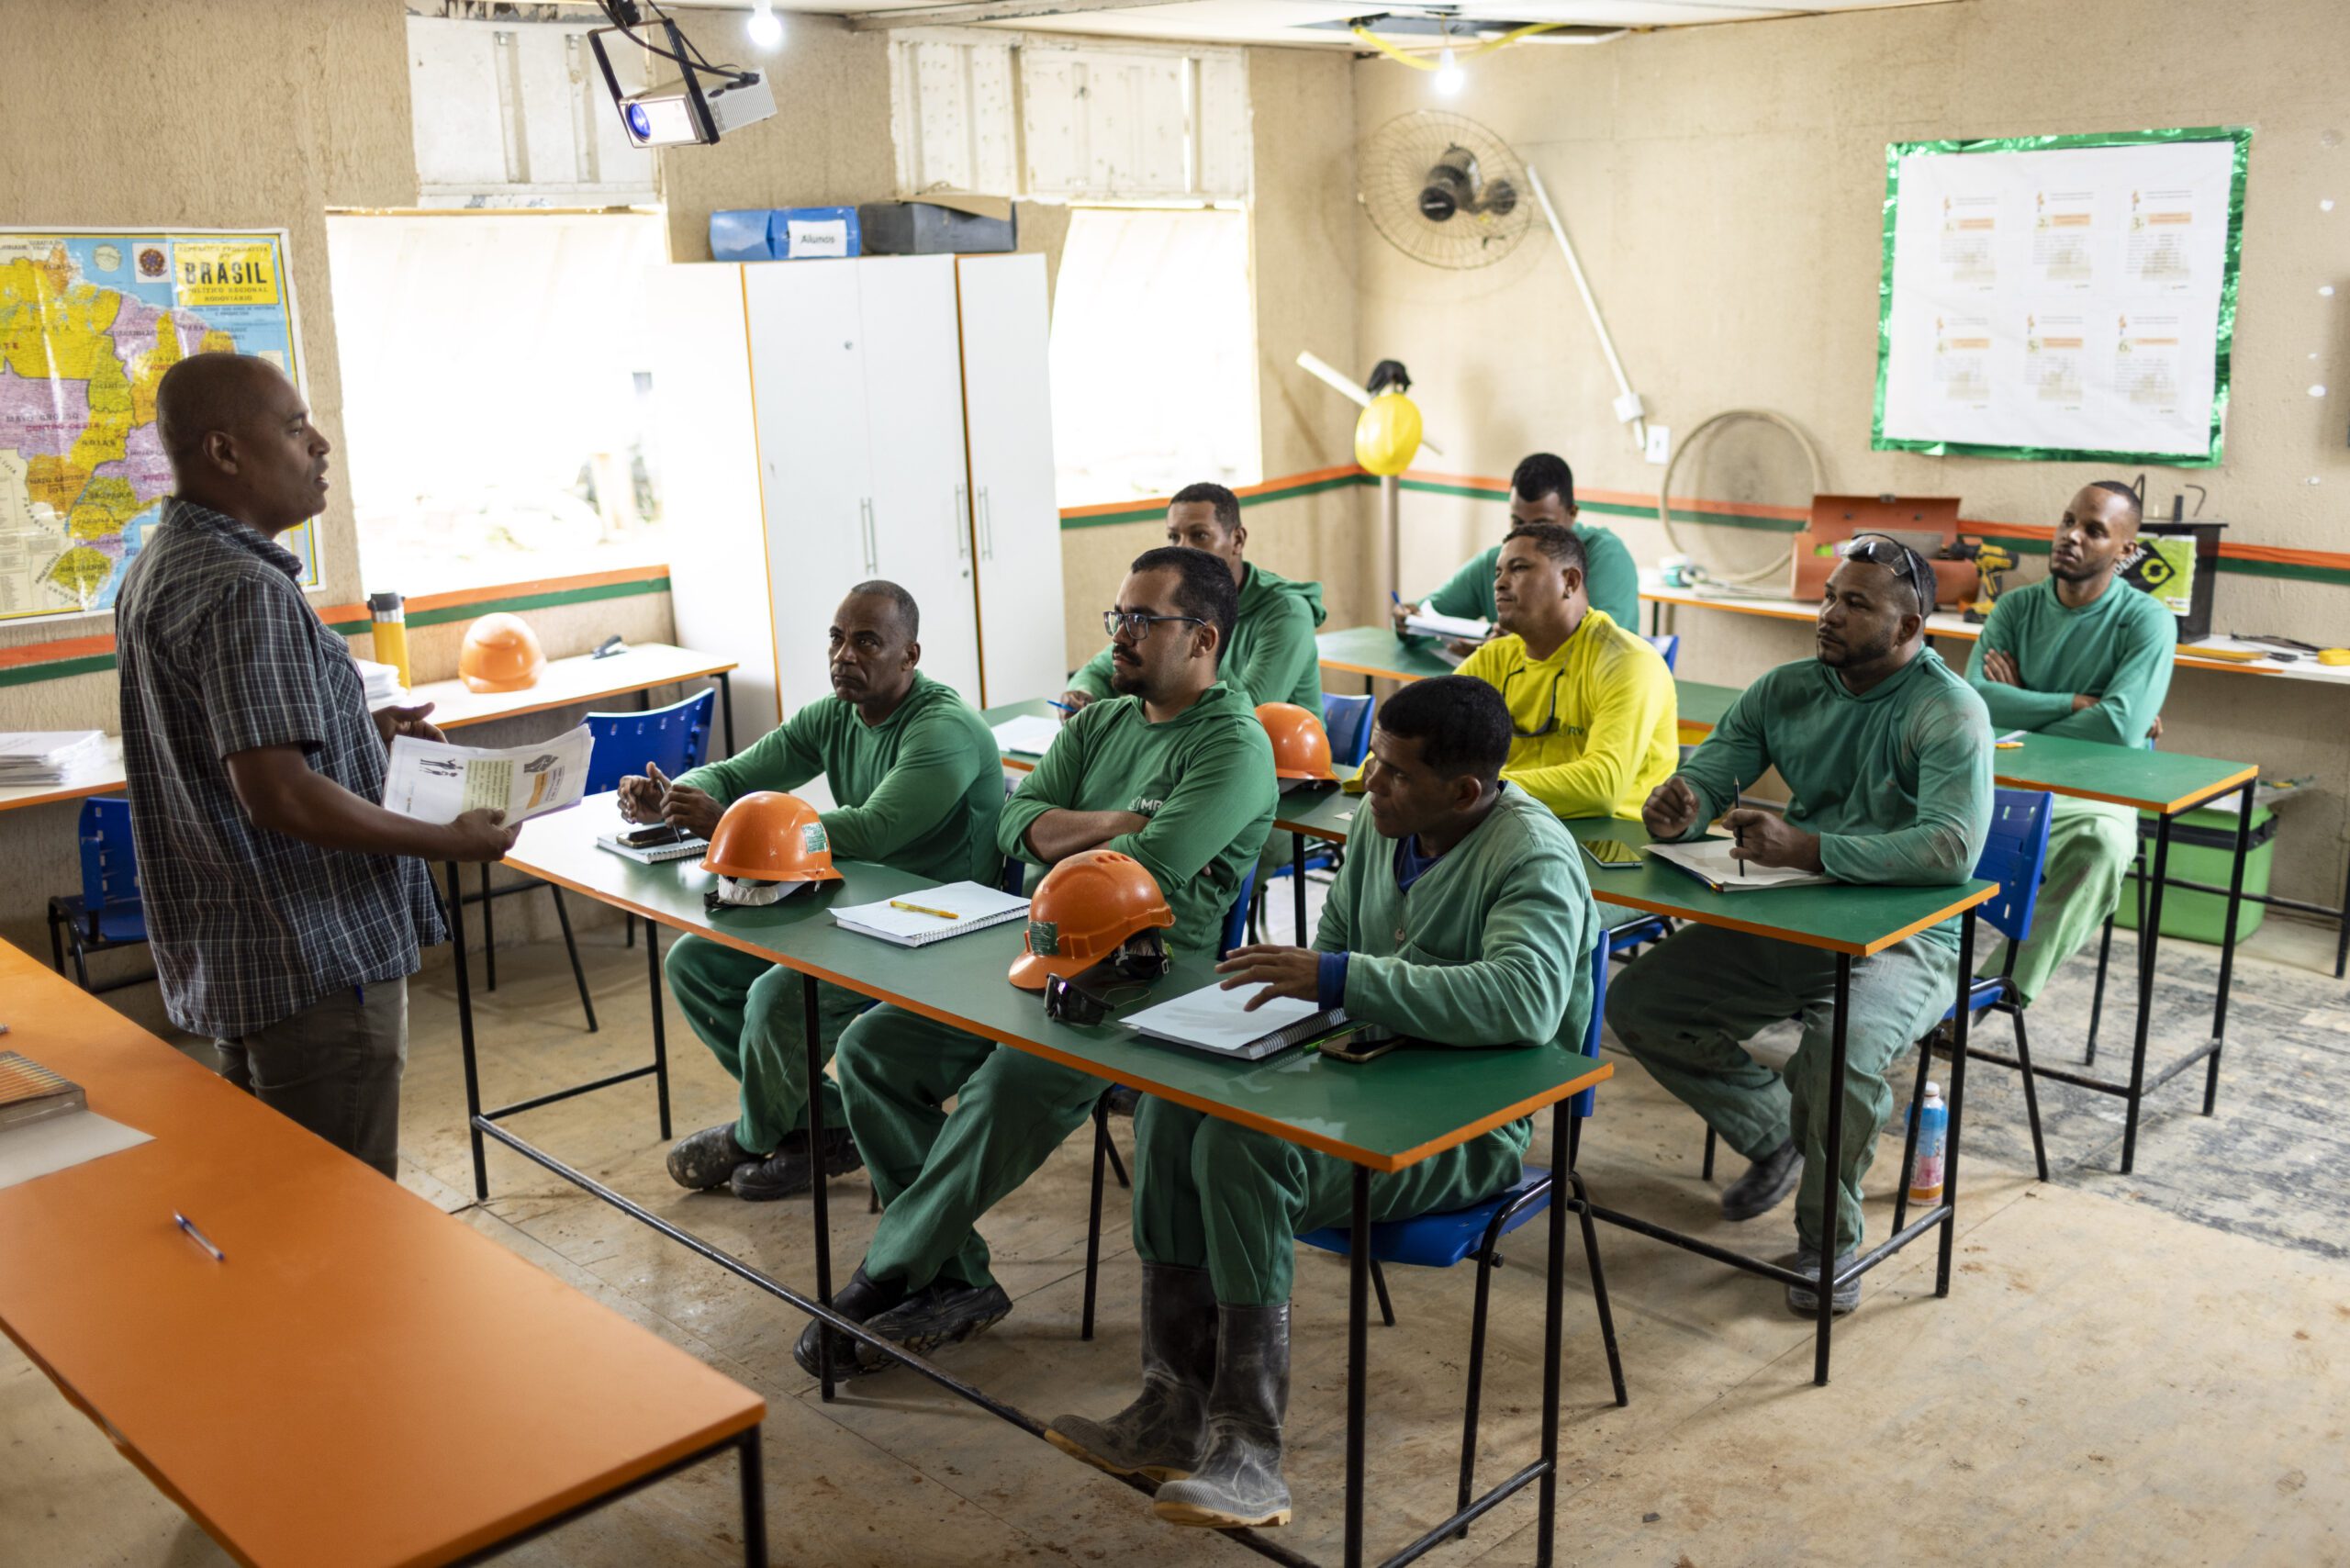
[107, 912]
[2015, 856]
[1441, 1240]
[1668, 645]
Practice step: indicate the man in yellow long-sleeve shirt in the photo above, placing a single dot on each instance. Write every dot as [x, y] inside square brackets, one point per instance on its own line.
[1594, 721]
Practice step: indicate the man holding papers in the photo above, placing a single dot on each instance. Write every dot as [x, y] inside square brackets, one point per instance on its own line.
[919, 784]
[1543, 490]
[1887, 757]
[1174, 771]
[1593, 720]
[2078, 653]
[1464, 920]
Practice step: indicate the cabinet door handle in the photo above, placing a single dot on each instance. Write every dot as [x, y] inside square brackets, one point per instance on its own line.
[962, 523]
[868, 538]
[987, 527]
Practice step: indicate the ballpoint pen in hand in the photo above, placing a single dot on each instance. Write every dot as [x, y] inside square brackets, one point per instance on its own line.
[1738, 835]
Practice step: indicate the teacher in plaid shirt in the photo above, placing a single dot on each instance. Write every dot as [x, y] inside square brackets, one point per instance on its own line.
[284, 906]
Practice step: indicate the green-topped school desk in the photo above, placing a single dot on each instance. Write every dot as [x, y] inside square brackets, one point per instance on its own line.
[1381, 1116]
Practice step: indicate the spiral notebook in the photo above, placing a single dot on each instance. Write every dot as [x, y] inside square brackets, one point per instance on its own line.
[1218, 1024]
[652, 854]
[932, 914]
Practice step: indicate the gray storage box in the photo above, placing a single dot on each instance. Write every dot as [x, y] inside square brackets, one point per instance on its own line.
[926, 229]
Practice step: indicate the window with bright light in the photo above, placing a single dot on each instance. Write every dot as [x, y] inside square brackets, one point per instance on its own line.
[497, 387]
[1154, 354]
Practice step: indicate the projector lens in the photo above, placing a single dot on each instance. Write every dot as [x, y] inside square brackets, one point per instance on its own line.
[640, 124]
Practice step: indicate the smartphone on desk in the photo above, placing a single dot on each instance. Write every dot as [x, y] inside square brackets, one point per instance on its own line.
[1364, 1042]
[1610, 853]
[654, 837]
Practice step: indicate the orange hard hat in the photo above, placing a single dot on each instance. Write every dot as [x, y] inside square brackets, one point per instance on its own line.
[1084, 908]
[500, 654]
[1300, 746]
[768, 837]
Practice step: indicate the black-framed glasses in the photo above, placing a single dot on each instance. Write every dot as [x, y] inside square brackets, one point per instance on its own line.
[1548, 725]
[1136, 624]
[1884, 549]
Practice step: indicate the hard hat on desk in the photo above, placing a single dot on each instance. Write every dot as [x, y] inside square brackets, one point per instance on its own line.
[764, 840]
[500, 654]
[1085, 909]
[1387, 436]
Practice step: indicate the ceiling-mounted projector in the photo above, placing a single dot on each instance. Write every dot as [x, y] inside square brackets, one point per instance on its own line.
[703, 104]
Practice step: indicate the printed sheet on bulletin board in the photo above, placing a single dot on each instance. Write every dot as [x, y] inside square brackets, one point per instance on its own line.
[2060, 296]
[89, 322]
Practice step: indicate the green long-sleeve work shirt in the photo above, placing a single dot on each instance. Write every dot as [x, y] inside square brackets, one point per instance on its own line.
[2118, 647]
[1491, 946]
[1272, 657]
[1611, 582]
[1895, 783]
[1205, 779]
[920, 792]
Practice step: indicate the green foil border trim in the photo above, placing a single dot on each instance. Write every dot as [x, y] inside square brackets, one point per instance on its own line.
[2232, 259]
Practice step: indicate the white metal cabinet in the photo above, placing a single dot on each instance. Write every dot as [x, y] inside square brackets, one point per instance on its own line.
[1008, 419]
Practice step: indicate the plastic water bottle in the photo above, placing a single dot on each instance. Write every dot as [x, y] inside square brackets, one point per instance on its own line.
[1933, 1131]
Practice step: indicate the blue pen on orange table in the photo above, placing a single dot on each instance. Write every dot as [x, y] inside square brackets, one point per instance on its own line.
[199, 1236]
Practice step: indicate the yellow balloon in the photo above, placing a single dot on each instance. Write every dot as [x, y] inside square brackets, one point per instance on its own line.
[1387, 437]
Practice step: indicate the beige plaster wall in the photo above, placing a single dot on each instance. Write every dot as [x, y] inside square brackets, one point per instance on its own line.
[1724, 185]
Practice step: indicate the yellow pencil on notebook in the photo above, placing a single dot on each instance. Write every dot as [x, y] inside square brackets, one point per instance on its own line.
[923, 908]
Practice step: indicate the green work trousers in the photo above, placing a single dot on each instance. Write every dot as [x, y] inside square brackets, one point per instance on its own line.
[1685, 1009]
[751, 1015]
[2090, 843]
[1215, 1194]
[938, 1171]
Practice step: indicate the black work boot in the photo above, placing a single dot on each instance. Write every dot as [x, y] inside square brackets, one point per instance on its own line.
[1239, 1481]
[701, 1160]
[1766, 1185]
[788, 1169]
[861, 1300]
[1164, 1432]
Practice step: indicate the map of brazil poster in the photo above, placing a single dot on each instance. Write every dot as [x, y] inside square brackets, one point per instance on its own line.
[89, 322]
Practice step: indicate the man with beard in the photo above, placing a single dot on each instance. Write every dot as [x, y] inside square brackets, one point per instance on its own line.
[1174, 771]
[920, 785]
[1593, 720]
[1886, 754]
[2082, 655]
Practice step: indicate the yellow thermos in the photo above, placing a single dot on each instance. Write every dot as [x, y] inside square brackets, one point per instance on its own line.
[389, 612]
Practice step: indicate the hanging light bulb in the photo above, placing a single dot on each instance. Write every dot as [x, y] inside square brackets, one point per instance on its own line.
[1448, 74]
[765, 29]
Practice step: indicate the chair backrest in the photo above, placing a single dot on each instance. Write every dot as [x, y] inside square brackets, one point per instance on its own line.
[1236, 919]
[673, 739]
[2014, 856]
[1585, 1103]
[1669, 646]
[109, 868]
[1346, 720]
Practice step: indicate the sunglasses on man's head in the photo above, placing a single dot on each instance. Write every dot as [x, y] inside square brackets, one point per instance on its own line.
[1880, 550]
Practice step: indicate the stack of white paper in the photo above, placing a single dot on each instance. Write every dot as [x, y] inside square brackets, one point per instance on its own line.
[1460, 628]
[383, 682]
[50, 759]
[1029, 735]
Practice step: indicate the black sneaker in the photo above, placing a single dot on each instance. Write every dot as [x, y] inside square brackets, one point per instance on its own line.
[859, 1300]
[786, 1172]
[945, 1312]
[701, 1160]
[1766, 1185]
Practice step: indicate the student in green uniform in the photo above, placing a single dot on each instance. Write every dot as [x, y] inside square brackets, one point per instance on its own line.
[1271, 656]
[1594, 721]
[920, 786]
[1543, 490]
[2084, 655]
[1175, 771]
[1466, 922]
[1886, 754]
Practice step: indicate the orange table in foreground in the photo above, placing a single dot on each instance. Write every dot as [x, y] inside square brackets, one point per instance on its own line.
[364, 1380]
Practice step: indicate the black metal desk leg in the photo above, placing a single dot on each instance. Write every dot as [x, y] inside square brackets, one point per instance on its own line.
[824, 1219]
[660, 1029]
[1832, 1162]
[2149, 940]
[1358, 1394]
[466, 1032]
[1297, 875]
[754, 1501]
[2228, 950]
[1563, 1160]
[726, 708]
[1957, 1100]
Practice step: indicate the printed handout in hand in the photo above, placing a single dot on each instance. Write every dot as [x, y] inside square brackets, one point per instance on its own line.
[436, 782]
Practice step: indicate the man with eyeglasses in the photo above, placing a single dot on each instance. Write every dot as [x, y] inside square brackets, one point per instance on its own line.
[2083, 654]
[1175, 771]
[1886, 754]
[1543, 490]
[1594, 721]
[1464, 921]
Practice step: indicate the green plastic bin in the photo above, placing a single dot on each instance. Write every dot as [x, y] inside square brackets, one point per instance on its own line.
[2202, 849]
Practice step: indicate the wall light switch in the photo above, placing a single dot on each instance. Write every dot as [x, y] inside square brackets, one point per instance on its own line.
[1660, 447]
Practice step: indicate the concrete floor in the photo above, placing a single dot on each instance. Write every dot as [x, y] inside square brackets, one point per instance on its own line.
[2128, 1370]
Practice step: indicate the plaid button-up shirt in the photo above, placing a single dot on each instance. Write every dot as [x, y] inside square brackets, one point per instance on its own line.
[219, 654]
